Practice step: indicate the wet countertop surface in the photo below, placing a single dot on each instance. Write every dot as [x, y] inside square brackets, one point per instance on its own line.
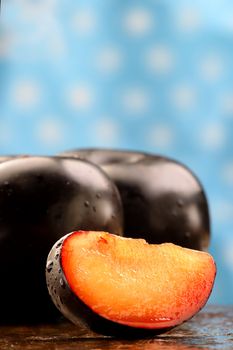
[212, 328]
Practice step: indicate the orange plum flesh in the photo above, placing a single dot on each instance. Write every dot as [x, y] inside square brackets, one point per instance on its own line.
[137, 284]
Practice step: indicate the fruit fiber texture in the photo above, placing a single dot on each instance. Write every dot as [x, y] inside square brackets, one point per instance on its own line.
[117, 285]
[163, 200]
[42, 198]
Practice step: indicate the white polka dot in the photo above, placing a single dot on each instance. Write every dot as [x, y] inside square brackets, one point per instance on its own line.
[212, 136]
[160, 59]
[32, 10]
[227, 103]
[26, 94]
[189, 19]
[83, 22]
[184, 96]
[160, 135]
[42, 39]
[135, 100]
[50, 132]
[211, 67]
[138, 21]
[57, 47]
[223, 211]
[106, 130]
[109, 60]
[227, 173]
[80, 97]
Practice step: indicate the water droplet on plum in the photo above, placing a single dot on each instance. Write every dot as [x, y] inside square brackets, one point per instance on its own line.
[49, 265]
[58, 245]
[62, 283]
[180, 203]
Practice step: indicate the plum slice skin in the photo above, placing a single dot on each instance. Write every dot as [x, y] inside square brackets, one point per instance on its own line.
[157, 322]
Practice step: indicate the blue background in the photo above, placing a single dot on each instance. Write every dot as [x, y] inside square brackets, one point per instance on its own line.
[148, 75]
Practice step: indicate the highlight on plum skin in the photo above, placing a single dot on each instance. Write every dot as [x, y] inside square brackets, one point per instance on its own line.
[109, 282]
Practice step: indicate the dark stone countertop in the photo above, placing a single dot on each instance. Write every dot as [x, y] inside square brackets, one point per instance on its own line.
[212, 328]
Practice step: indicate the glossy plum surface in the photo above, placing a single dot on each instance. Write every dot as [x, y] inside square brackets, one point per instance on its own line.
[40, 200]
[163, 200]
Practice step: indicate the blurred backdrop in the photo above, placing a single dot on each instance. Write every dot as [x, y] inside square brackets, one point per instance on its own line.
[153, 75]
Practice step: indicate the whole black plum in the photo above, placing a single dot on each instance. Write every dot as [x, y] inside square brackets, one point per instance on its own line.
[163, 200]
[41, 198]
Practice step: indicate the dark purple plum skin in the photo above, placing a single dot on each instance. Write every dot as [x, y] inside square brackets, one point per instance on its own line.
[163, 200]
[76, 310]
[41, 199]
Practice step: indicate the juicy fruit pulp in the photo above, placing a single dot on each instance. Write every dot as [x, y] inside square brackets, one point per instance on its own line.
[133, 283]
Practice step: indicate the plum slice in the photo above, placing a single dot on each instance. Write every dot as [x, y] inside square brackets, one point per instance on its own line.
[127, 281]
